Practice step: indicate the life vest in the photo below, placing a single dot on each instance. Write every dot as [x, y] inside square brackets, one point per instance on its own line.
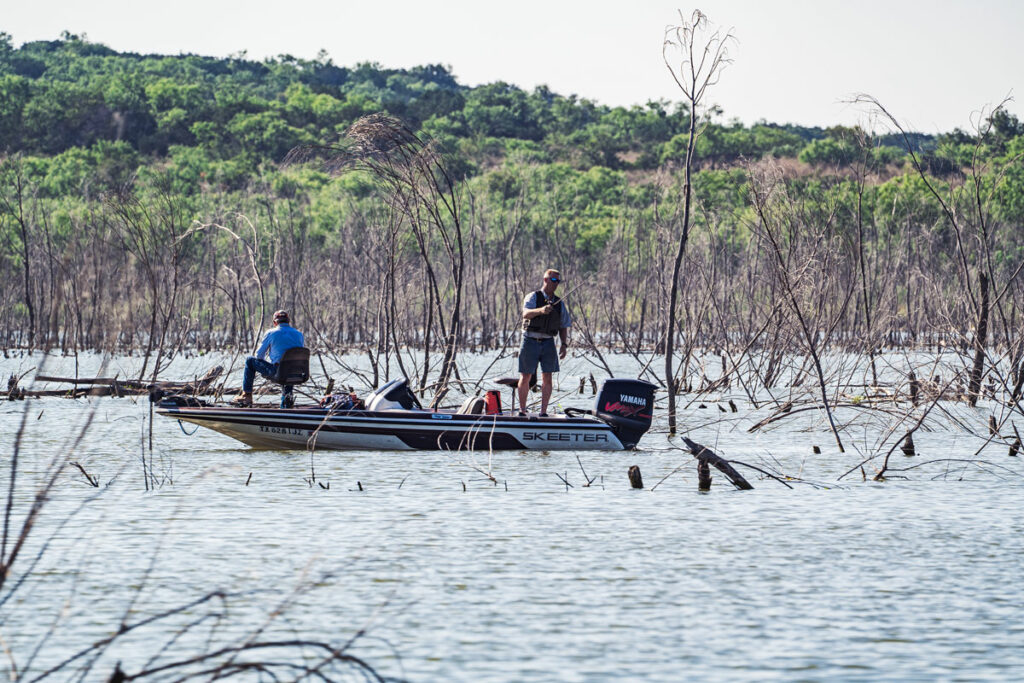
[548, 324]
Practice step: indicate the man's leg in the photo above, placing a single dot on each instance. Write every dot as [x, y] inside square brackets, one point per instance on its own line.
[548, 365]
[252, 366]
[545, 392]
[249, 375]
[529, 354]
[523, 388]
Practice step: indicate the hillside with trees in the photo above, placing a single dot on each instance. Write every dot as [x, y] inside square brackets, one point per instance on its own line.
[80, 108]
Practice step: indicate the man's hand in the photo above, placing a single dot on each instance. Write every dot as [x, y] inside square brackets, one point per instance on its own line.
[546, 309]
[564, 351]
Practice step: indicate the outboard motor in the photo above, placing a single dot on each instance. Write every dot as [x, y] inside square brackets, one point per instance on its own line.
[627, 405]
[395, 395]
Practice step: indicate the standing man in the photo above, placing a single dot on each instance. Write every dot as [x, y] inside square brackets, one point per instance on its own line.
[275, 343]
[544, 316]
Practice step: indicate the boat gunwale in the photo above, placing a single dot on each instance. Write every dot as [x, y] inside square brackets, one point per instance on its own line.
[323, 415]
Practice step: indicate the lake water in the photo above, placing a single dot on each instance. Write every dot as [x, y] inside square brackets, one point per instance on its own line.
[455, 577]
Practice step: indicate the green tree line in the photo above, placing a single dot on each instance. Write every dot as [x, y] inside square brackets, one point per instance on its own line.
[232, 115]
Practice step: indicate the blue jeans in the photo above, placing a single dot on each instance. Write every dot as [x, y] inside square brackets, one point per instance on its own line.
[537, 350]
[268, 370]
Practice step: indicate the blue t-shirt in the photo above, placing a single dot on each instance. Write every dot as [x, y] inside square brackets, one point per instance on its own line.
[279, 340]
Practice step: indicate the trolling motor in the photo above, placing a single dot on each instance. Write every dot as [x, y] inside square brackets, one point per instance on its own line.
[626, 405]
[166, 399]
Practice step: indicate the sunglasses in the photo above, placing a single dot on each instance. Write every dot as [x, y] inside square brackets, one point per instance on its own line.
[556, 280]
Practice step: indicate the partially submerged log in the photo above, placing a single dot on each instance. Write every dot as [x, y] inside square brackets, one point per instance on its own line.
[112, 386]
[200, 386]
[709, 457]
[76, 380]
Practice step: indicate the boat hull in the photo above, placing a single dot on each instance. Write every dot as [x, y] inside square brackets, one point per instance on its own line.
[397, 430]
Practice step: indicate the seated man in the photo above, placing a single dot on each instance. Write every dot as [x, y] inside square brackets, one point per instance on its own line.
[276, 342]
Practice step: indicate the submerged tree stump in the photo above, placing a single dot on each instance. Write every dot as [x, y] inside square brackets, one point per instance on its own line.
[703, 475]
[635, 480]
[908, 446]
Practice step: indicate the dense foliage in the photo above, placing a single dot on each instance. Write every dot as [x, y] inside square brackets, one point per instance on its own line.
[92, 110]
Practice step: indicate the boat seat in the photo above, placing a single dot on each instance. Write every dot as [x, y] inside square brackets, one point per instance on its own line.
[474, 405]
[513, 382]
[293, 367]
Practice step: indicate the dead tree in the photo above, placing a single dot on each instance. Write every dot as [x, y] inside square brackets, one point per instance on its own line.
[860, 170]
[799, 265]
[423, 190]
[13, 208]
[153, 233]
[702, 55]
[968, 212]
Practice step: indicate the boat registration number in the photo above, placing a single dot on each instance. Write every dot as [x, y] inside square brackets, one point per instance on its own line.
[284, 430]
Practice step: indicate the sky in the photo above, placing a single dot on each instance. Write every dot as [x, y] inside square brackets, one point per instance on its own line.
[933, 64]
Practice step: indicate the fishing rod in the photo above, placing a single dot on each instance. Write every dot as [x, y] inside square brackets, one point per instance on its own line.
[574, 289]
[516, 329]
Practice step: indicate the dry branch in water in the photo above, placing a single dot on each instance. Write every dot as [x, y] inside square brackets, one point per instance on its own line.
[198, 638]
[426, 196]
[708, 457]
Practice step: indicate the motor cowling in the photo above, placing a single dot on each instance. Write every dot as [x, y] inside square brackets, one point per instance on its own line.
[627, 405]
[395, 395]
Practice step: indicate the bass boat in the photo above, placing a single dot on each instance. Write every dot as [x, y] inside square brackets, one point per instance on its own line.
[393, 419]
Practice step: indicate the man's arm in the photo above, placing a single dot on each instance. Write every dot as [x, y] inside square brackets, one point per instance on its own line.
[563, 333]
[265, 346]
[530, 313]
